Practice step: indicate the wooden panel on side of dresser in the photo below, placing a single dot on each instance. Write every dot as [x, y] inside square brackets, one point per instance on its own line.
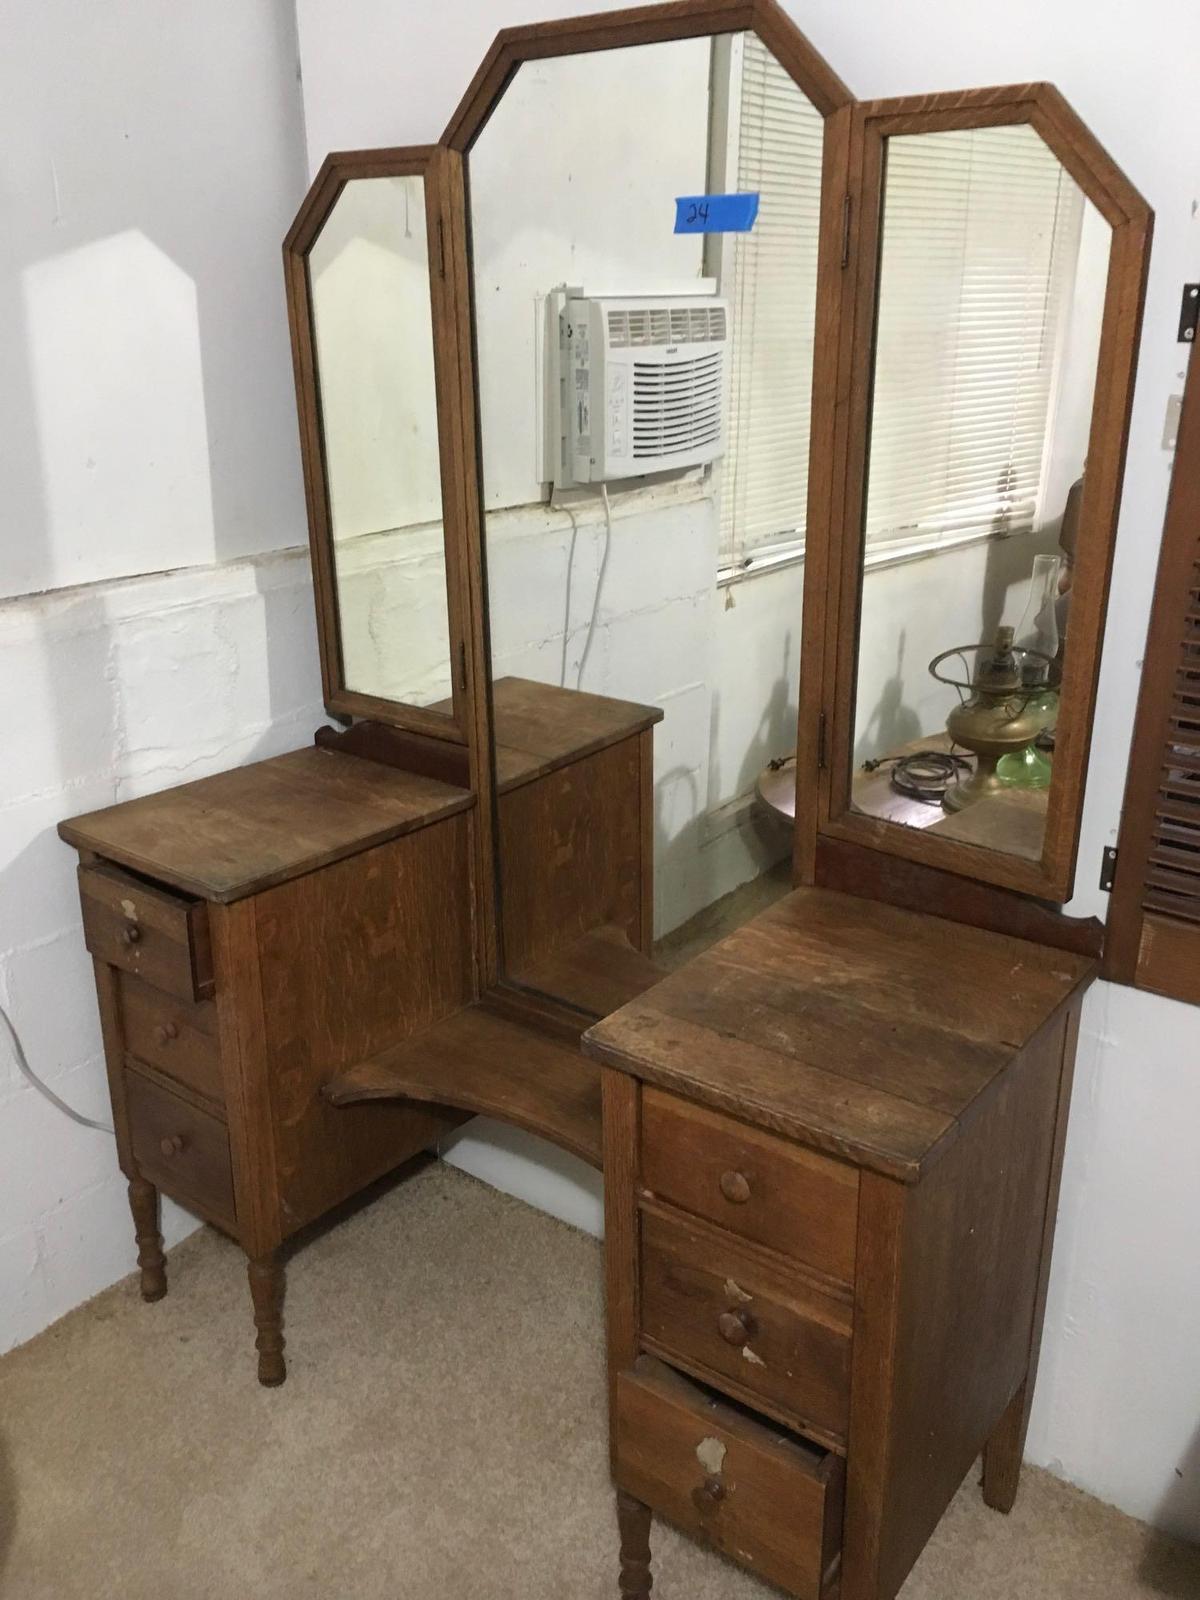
[571, 847]
[386, 950]
[950, 1298]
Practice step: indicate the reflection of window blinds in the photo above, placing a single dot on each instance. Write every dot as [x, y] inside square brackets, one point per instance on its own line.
[980, 236]
[771, 280]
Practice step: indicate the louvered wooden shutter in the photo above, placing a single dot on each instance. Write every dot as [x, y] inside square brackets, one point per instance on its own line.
[1153, 935]
[771, 281]
[980, 240]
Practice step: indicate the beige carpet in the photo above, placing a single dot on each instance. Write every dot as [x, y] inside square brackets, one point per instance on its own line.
[441, 1436]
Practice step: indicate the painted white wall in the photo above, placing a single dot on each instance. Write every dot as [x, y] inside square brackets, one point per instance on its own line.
[591, 206]
[150, 169]
[373, 322]
[152, 161]
[1119, 1400]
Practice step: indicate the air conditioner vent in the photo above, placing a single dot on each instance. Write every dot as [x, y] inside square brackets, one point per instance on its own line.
[676, 407]
[644, 385]
[691, 325]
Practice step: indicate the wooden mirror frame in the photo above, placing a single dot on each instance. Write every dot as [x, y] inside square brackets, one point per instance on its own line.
[653, 24]
[429, 163]
[832, 846]
[829, 656]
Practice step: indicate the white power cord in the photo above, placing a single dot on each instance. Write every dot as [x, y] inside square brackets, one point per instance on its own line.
[27, 1071]
[566, 510]
[591, 631]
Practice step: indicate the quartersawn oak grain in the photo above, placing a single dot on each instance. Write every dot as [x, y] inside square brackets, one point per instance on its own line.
[780, 1195]
[855, 1027]
[478, 1061]
[237, 832]
[744, 1317]
[597, 973]
[539, 726]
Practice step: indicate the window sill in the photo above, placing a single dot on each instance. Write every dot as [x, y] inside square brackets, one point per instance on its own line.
[771, 561]
[892, 553]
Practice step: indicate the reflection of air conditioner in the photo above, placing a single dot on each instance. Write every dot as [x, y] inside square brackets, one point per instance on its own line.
[643, 385]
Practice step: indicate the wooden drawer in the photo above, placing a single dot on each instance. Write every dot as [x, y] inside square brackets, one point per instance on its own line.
[747, 1320]
[758, 1186]
[178, 1037]
[156, 935]
[768, 1500]
[182, 1150]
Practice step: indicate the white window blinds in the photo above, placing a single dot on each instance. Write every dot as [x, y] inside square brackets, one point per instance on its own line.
[980, 238]
[770, 277]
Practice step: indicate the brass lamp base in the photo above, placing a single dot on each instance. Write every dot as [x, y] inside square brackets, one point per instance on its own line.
[982, 783]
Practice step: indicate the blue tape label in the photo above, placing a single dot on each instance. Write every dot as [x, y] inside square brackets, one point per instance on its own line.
[715, 213]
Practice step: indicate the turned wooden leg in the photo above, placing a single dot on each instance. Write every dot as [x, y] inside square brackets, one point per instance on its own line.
[266, 1290]
[143, 1202]
[633, 1520]
[1003, 1453]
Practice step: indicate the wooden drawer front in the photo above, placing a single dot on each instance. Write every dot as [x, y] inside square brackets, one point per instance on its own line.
[748, 1321]
[794, 1200]
[766, 1500]
[150, 932]
[180, 1148]
[179, 1037]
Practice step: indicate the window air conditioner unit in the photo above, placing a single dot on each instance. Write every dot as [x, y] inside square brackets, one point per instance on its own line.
[643, 385]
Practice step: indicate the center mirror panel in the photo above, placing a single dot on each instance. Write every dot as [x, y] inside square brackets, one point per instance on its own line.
[644, 238]
[372, 319]
[993, 268]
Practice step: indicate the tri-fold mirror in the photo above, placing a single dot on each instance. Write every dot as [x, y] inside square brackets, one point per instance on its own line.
[365, 262]
[645, 370]
[676, 401]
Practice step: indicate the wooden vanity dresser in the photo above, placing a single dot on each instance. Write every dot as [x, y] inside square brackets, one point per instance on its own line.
[832, 1155]
[291, 938]
[832, 1141]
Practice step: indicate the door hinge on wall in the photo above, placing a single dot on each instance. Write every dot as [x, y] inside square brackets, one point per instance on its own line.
[441, 248]
[822, 750]
[462, 667]
[1108, 868]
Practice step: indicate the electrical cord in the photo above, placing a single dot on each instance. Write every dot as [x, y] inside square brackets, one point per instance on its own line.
[591, 630]
[566, 510]
[27, 1071]
[924, 775]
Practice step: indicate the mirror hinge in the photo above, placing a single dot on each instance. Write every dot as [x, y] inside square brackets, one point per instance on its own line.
[846, 210]
[822, 750]
[441, 248]
[462, 666]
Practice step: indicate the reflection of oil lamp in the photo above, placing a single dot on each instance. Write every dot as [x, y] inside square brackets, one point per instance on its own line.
[1002, 712]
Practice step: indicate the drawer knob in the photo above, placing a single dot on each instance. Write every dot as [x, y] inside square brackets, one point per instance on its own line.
[172, 1145]
[132, 934]
[165, 1032]
[708, 1496]
[735, 1186]
[735, 1327]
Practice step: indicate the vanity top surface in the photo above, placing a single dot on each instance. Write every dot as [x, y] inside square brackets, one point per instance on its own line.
[848, 1024]
[540, 726]
[241, 831]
